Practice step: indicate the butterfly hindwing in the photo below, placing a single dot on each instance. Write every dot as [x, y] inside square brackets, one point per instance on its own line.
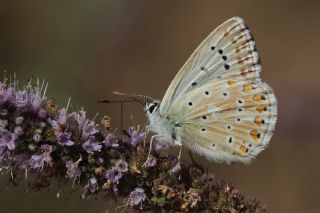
[228, 120]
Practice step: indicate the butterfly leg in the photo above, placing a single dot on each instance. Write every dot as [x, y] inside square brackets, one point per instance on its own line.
[151, 143]
[179, 156]
[145, 138]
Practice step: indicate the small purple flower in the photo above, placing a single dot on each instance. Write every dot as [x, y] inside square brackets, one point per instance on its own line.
[7, 139]
[136, 137]
[64, 139]
[91, 145]
[175, 169]
[62, 119]
[21, 98]
[5, 159]
[37, 137]
[3, 123]
[42, 113]
[88, 129]
[80, 117]
[122, 165]
[114, 174]
[91, 186]
[136, 197]
[73, 170]
[19, 120]
[159, 146]
[18, 130]
[36, 101]
[21, 160]
[3, 112]
[38, 161]
[7, 95]
[150, 162]
[100, 160]
[111, 140]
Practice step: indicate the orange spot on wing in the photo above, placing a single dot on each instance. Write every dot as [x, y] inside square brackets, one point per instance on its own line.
[237, 154]
[243, 149]
[246, 87]
[261, 108]
[255, 134]
[258, 97]
[232, 82]
[258, 120]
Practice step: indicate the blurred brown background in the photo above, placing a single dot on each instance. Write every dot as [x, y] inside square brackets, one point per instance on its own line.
[87, 49]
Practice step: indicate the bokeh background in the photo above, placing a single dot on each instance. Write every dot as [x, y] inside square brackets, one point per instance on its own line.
[87, 49]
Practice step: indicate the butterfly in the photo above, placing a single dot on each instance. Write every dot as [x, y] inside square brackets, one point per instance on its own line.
[217, 105]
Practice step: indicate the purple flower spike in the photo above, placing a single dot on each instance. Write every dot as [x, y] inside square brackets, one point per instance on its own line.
[136, 137]
[73, 170]
[111, 140]
[22, 98]
[38, 161]
[114, 174]
[122, 165]
[136, 197]
[64, 139]
[7, 139]
[91, 146]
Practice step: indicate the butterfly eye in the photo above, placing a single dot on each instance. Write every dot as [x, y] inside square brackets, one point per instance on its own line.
[152, 107]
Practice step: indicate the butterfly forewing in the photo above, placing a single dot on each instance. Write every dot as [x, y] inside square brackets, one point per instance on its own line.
[223, 108]
[229, 47]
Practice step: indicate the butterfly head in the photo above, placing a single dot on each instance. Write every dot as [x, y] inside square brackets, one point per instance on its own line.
[152, 107]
